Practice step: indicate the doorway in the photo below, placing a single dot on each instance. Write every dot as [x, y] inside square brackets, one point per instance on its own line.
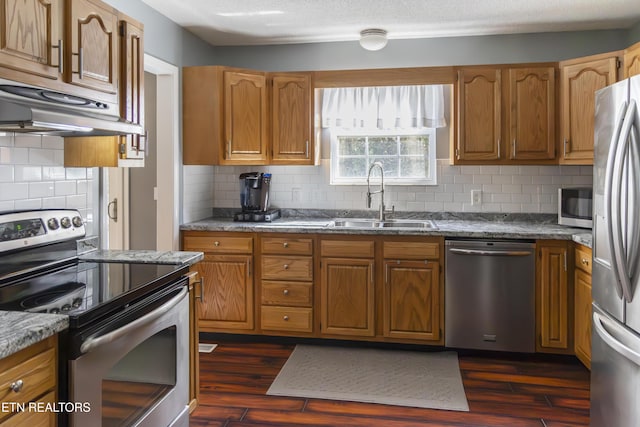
[141, 205]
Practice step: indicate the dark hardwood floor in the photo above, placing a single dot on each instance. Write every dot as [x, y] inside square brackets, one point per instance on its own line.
[509, 391]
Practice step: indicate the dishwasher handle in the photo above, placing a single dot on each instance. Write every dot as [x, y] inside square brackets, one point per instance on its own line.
[489, 253]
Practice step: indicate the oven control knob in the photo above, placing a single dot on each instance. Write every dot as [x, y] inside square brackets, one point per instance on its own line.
[65, 307]
[53, 224]
[77, 302]
[65, 222]
[77, 221]
[54, 311]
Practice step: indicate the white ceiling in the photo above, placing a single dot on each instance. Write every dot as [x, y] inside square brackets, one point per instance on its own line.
[260, 22]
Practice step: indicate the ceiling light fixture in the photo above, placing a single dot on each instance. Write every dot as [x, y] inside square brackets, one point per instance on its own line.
[373, 39]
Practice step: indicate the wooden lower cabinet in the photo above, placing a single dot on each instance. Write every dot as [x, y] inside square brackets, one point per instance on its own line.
[36, 366]
[227, 300]
[582, 301]
[412, 300]
[554, 291]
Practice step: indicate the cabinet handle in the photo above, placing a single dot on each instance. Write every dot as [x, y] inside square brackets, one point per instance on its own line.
[229, 150]
[499, 143]
[585, 262]
[565, 143]
[285, 318]
[514, 148]
[371, 273]
[286, 292]
[249, 268]
[565, 261]
[60, 48]
[285, 244]
[80, 56]
[17, 386]
[286, 266]
[306, 151]
[216, 243]
[198, 284]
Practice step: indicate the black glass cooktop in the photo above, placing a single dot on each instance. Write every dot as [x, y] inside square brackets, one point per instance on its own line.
[87, 291]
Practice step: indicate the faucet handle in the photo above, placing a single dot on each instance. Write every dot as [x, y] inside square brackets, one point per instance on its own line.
[368, 199]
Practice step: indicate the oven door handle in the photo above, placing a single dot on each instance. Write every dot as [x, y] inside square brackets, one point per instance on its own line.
[93, 342]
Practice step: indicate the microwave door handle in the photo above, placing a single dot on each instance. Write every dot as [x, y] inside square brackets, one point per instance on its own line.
[620, 204]
[94, 342]
[609, 190]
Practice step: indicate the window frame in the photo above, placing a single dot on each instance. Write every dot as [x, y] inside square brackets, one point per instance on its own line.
[336, 133]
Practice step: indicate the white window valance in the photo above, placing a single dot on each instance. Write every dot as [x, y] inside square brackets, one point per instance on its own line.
[384, 107]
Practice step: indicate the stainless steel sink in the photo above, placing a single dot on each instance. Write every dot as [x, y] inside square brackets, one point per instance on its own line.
[390, 223]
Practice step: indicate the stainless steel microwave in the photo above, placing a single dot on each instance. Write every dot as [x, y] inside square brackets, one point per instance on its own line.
[575, 206]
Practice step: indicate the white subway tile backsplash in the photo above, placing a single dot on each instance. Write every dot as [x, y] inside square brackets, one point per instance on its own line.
[28, 204]
[6, 173]
[27, 141]
[65, 188]
[28, 173]
[42, 156]
[13, 191]
[41, 189]
[7, 205]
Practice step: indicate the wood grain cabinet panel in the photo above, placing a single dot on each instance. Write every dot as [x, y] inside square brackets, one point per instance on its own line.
[290, 319]
[287, 267]
[531, 118]
[291, 138]
[30, 32]
[554, 298]
[479, 114]
[631, 60]
[579, 80]
[583, 300]
[347, 297]
[195, 295]
[92, 45]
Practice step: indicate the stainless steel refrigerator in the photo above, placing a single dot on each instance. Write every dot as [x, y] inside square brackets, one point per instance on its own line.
[615, 356]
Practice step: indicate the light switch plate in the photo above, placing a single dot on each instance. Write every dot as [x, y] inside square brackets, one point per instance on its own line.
[476, 197]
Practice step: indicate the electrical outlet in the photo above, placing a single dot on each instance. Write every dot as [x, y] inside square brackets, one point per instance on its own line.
[295, 194]
[476, 197]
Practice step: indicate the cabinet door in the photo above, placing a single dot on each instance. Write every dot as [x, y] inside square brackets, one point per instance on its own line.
[30, 37]
[347, 297]
[531, 117]
[93, 34]
[227, 297]
[132, 151]
[553, 305]
[479, 114]
[582, 317]
[412, 300]
[632, 60]
[579, 82]
[195, 295]
[291, 119]
[245, 118]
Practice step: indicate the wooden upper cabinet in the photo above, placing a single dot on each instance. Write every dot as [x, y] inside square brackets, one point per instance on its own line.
[531, 115]
[579, 80]
[632, 60]
[30, 38]
[92, 46]
[479, 114]
[133, 148]
[245, 117]
[291, 141]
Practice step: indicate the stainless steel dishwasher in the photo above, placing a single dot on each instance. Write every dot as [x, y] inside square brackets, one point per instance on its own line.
[490, 295]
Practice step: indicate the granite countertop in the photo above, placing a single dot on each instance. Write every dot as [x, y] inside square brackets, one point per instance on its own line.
[19, 330]
[458, 228]
[143, 256]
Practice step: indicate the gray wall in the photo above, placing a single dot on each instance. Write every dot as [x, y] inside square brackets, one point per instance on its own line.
[634, 34]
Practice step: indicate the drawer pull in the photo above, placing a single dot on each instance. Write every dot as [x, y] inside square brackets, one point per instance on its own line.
[17, 386]
[286, 292]
[285, 318]
[286, 266]
[216, 243]
[285, 244]
[585, 262]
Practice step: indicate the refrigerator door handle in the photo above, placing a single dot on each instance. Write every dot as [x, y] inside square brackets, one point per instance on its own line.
[609, 188]
[619, 233]
[617, 338]
[634, 221]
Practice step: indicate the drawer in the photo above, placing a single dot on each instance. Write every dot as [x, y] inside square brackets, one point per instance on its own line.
[411, 250]
[287, 268]
[347, 248]
[287, 293]
[34, 418]
[35, 367]
[219, 244]
[583, 256]
[286, 246]
[294, 319]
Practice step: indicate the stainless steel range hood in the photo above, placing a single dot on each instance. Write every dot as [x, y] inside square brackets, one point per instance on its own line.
[28, 109]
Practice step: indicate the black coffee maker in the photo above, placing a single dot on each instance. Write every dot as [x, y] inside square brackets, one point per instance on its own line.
[254, 198]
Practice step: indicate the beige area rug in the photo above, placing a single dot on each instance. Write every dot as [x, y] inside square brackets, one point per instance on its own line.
[391, 377]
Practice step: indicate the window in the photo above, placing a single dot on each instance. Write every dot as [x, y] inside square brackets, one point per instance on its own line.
[394, 125]
[408, 156]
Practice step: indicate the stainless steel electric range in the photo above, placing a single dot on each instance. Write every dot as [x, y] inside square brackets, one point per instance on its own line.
[125, 355]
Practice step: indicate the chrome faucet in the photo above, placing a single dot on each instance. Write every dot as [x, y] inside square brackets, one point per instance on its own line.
[382, 211]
